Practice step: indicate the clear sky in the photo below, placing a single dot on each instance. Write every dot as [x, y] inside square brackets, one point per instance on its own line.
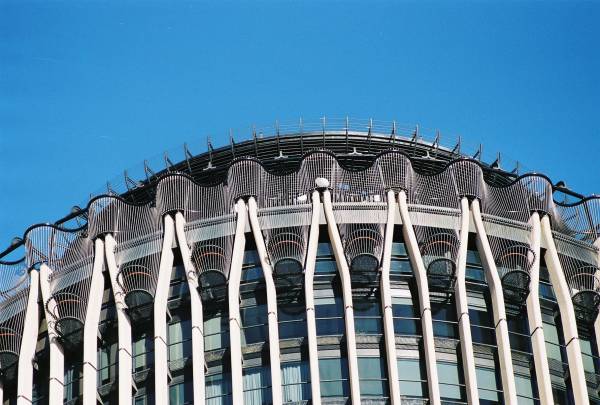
[88, 89]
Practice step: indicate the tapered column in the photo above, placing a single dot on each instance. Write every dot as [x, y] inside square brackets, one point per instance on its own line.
[386, 302]
[196, 311]
[462, 307]
[90, 328]
[271, 303]
[412, 246]
[597, 322]
[501, 326]
[534, 316]
[567, 316]
[124, 363]
[233, 288]
[161, 297]
[57, 357]
[340, 258]
[28, 343]
[311, 321]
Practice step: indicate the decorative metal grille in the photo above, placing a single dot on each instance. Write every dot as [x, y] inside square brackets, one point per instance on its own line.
[14, 293]
[505, 214]
[284, 213]
[209, 229]
[69, 255]
[360, 211]
[579, 263]
[435, 213]
[138, 231]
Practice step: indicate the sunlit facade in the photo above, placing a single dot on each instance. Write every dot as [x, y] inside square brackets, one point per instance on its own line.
[332, 267]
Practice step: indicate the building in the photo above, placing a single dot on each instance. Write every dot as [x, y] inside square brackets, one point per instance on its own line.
[326, 266]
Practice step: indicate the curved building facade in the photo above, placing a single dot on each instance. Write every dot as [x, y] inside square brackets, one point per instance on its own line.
[323, 267]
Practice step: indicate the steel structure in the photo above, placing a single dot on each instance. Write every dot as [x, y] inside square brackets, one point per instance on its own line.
[326, 265]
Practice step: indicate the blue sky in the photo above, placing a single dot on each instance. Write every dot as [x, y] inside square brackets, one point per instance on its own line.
[89, 89]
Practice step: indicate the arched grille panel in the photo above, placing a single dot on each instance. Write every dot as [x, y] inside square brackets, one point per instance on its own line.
[434, 200]
[579, 263]
[505, 214]
[14, 293]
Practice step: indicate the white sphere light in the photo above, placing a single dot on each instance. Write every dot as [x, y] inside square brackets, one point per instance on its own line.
[322, 182]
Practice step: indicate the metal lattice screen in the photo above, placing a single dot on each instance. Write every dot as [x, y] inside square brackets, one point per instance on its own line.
[14, 293]
[69, 255]
[434, 200]
[138, 232]
[505, 214]
[579, 263]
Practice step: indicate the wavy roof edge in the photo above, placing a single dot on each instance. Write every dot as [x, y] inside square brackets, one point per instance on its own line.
[283, 154]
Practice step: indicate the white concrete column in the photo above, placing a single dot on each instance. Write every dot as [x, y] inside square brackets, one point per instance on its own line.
[597, 321]
[567, 316]
[412, 247]
[311, 321]
[57, 358]
[340, 258]
[161, 297]
[233, 288]
[462, 307]
[274, 356]
[501, 326]
[386, 302]
[197, 318]
[534, 316]
[90, 328]
[124, 362]
[28, 343]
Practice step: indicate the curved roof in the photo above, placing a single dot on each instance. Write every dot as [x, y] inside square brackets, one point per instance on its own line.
[282, 154]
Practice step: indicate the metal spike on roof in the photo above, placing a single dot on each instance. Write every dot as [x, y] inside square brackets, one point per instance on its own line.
[232, 143]
[301, 125]
[254, 140]
[210, 153]
[370, 134]
[479, 152]
[456, 148]
[347, 124]
[323, 124]
[188, 156]
[168, 164]
[496, 163]
[148, 171]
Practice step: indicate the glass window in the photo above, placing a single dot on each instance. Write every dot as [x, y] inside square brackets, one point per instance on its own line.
[488, 384]
[445, 323]
[329, 312]
[525, 388]
[179, 337]
[552, 341]
[292, 320]
[218, 389]
[107, 359]
[216, 331]
[326, 266]
[473, 257]
[400, 266]
[406, 317]
[372, 375]
[334, 377]
[180, 394]
[254, 323]
[324, 249]
[398, 249]
[451, 381]
[413, 378]
[257, 386]
[367, 316]
[142, 350]
[295, 379]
